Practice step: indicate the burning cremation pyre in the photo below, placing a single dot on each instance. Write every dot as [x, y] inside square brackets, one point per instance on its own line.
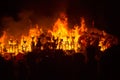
[60, 37]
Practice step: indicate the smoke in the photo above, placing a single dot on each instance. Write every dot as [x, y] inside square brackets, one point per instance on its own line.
[26, 19]
[14, 27]
[31, 13]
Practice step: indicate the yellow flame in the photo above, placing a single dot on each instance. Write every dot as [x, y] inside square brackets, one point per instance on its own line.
[67, 39]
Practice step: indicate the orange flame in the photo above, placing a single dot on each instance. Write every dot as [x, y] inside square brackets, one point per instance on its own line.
[2, 41]
[67, 39]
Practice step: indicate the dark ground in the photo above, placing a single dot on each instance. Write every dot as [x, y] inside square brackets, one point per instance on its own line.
[54, 65]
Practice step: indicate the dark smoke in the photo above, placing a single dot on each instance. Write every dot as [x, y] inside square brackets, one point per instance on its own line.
[45, 12]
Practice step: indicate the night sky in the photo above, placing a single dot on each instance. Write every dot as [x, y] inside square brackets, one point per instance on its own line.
[105, 13]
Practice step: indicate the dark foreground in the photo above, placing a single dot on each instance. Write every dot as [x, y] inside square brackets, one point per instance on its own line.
[54, 65]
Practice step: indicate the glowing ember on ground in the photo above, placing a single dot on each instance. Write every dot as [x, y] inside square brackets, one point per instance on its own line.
[60, 37]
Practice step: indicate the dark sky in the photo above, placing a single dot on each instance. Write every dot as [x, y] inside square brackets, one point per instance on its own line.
[105, 13]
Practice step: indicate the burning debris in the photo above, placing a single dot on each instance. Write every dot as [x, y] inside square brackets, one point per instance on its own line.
[60, 37]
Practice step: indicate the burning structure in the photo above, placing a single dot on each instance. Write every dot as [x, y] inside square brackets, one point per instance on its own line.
[60, 37]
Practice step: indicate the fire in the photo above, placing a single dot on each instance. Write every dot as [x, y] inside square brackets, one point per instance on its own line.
[60, 37]
[61, 32]
[30, 39]
[106, 41]
[23, 45]
[68, 38]
[2, 42]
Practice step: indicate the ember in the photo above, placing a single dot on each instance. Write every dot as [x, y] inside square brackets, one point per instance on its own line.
[60, 37]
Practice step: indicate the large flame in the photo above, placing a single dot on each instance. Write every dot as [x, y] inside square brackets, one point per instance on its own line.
[64, 38]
